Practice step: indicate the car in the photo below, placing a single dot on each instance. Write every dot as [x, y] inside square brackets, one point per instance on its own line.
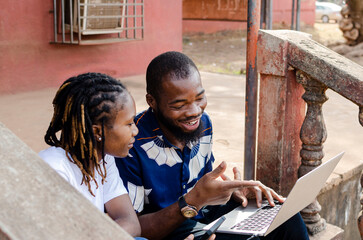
[326, 11]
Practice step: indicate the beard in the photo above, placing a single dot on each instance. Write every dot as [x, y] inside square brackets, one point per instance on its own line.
[178, 132]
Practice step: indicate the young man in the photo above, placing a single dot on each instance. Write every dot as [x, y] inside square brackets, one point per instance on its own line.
[169, 172]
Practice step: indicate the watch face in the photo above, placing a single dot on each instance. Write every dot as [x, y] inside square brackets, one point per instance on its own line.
[189, 212]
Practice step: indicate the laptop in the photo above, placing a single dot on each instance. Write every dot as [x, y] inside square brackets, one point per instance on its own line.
[252, 220]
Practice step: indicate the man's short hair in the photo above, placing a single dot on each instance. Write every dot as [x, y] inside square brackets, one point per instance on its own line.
[175, 63]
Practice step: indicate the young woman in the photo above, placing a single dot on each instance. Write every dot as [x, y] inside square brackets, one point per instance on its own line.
[93, 121]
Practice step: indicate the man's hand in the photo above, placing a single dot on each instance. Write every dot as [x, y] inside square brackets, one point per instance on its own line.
[243, 194]
[191, 237]
[210, 191]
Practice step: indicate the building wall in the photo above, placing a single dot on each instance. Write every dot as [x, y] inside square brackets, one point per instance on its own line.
[281, 15]
[28, 61]
[211, 26]
[282, 12]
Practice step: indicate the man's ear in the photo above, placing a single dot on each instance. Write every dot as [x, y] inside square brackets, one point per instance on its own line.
[151, 101]
[97, 132]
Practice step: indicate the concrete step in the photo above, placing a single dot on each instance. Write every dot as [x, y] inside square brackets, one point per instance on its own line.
[330, 233]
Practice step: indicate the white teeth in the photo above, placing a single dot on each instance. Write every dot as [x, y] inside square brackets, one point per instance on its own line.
[192, 123]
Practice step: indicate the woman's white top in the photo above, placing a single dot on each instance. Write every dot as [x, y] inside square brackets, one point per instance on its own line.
[112, 187]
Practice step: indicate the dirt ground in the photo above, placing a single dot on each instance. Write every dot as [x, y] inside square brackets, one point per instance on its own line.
[225, 52]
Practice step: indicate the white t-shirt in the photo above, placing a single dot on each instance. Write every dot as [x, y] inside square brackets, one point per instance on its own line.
[112, 187]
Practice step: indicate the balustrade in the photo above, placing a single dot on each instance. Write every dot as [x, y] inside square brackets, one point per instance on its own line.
[285, 58]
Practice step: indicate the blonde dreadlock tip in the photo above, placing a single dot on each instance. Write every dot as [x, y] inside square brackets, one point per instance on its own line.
[83, 119]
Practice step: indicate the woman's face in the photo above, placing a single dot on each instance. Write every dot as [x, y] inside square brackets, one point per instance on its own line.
[120, 133]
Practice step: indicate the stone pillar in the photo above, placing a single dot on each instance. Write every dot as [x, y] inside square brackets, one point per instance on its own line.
[313, 135]
[281, 114]
[360, 218]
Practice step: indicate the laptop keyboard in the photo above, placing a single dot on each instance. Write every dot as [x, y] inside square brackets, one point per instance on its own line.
[259, 220]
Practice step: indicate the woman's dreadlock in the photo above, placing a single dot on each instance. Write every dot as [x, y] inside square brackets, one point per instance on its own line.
[81, 102]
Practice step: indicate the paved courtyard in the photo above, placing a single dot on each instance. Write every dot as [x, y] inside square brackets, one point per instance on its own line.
[28, 115]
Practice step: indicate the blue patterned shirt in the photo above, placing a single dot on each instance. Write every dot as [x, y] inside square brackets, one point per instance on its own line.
[156, 173]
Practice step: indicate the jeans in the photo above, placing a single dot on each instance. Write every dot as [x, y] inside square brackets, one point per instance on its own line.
[292, 229]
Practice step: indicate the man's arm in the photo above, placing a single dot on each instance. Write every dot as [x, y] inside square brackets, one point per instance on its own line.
[207, 191]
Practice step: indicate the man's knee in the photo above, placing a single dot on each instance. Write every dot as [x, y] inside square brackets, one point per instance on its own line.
[294, 228]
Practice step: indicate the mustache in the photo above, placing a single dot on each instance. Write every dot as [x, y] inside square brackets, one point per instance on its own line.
[193, 117]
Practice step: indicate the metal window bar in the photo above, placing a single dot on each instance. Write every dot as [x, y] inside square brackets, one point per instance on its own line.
[142, 23]
[71, 20]
[63, 26]
[110, 16]
[127, 20]
[135, 22]
[55, 19]
[86, 22]
[112, 4]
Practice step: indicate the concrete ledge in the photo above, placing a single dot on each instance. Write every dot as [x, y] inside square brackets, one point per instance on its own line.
[331, 233]
[340, 201]
[337, 178]
[36, 203]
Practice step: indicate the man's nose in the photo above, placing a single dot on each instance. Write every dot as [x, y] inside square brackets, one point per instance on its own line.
[193, 110]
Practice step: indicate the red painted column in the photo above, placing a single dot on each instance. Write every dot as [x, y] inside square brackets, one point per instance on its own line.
[281, 114]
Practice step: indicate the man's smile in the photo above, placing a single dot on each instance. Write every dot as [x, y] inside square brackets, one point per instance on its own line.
[191, 124]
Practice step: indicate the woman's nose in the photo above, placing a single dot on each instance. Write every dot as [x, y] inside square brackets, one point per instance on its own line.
[135, 130]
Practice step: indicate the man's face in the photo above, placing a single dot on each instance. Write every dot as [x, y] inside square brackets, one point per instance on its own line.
[180, 106]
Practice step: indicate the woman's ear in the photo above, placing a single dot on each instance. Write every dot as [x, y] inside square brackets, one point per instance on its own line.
[97, 132]
[151, 101]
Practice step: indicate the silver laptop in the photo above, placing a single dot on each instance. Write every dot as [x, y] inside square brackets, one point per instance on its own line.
[261, 221]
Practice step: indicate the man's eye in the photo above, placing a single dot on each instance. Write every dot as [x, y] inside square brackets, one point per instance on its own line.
[178, 107]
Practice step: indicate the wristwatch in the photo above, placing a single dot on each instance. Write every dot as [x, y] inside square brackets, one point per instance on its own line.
[186, 210]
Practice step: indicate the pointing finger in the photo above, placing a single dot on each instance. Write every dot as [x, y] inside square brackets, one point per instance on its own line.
[237, 174]
[225, 177]
[244, 201]
[258, 195]
[239, 184]
[218, 171]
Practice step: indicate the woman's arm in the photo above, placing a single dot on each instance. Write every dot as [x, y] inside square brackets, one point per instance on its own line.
[121, 211]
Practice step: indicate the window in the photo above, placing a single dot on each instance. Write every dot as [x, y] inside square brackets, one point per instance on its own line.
[87, 22]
